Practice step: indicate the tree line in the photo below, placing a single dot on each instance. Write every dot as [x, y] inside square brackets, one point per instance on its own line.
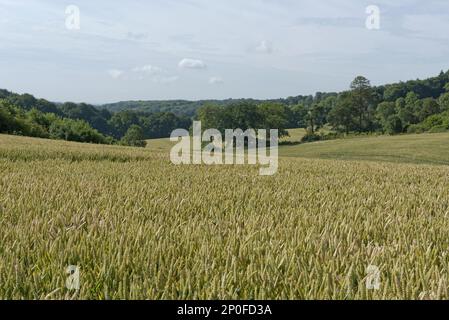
[407, 107]
[413, 107]
[26, 115]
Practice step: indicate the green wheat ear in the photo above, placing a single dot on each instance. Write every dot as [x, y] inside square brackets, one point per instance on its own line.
[142, 228]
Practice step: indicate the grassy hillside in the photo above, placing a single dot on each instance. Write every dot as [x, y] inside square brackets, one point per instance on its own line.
[162, 145]
[295, 135]
[142, 228]
[419, 149]
[423, 148]
[165, 144]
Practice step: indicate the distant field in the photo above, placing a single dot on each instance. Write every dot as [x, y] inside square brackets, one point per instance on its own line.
[295, 135]
[142, 228]
[422, 148]
[161, 145]
[419, 149]
[165, 144]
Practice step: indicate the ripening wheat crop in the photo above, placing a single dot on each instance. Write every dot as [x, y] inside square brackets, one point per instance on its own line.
[139, 227]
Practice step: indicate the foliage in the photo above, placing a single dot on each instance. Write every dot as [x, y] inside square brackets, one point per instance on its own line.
[434, 123]
[362, 109]
[75, 130]
[341, 117]
[392, 109]
[26, 115]
[311, 137]
[246, 115]
[134, 137]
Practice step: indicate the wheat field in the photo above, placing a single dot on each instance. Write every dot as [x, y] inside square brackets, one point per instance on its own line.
[139, 227]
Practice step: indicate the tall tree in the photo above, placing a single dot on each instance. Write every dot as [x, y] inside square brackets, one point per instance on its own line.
[274, 116]
[341, 117]
[299, 116]
[362, 96]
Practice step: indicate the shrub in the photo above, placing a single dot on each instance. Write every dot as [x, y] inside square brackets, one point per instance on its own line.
[134, 137]
[415, 128]
[438, 129]
[311, 137]
[75, 130]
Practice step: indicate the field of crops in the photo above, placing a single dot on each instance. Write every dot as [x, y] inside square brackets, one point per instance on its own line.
[139, 227]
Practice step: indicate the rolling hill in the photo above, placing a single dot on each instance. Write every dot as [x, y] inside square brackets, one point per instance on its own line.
[414, 148]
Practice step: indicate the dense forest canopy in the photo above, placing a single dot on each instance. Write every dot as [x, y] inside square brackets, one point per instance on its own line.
[412, 106]
[26, 115]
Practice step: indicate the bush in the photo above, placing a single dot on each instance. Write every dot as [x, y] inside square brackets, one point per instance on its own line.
[75, 130]
[311, 137]
[435, 123]
[332, 136]
[15, 121]
[416, 128]
[438, 129]
[7, 120]
[134, 137]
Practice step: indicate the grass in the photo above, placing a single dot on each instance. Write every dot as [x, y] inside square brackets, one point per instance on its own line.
[165, 144]
[413, 148]
[142, 228]
[15, 148]
[161, 145]
[295, 135]
[420, 149]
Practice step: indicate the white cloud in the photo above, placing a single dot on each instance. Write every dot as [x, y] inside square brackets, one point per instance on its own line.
[149, 69]
[192, 64]
[314, 45]
[216, 80]
[156, 74]
[115, 73]
[264, 47]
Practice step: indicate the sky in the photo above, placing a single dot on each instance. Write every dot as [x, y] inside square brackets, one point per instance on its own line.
[106, 51]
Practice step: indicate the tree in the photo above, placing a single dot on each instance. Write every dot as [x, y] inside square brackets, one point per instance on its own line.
[314, 117]
[393, 124]
[299, 116]
[386, 114]
[444, 102]
[399, 104]
[8, 122]
[385, 110]
[243, 115]
[25, 101]
[394, 92]
[429, 107]
[122, 121]
[362, 96]
[47, 107]
[326, 106]
[274, 116]
[134, 137]
[406, 109]
[341, 117]
[211, 116]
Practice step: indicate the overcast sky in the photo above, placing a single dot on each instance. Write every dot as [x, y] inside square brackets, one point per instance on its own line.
[198, 49]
